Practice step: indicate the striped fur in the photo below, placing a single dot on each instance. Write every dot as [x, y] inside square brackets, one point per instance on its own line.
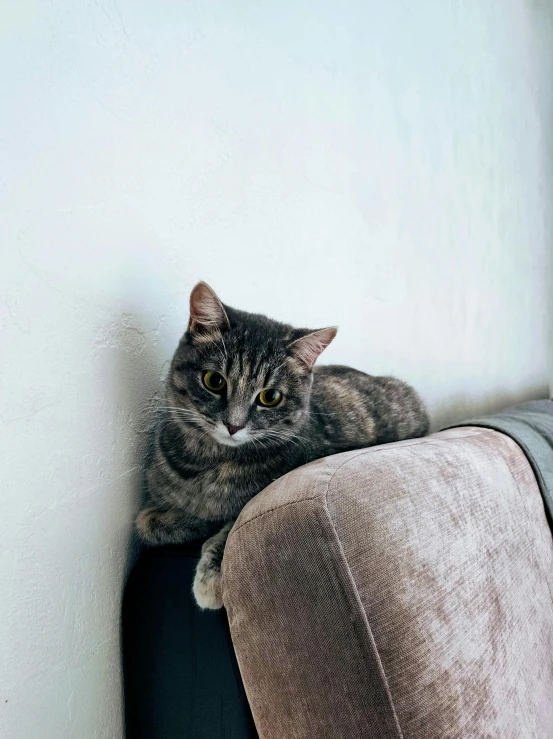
[200, 477]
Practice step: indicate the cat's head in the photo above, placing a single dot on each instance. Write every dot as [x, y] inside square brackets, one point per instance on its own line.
[242, 377]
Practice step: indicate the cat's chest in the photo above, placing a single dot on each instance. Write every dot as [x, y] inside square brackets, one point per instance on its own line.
[231, 475]
[222, 489]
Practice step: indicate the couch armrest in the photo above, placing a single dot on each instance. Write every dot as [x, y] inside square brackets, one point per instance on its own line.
[398, 591]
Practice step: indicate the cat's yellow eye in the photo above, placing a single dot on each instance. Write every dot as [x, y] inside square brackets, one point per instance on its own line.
[269, 398]
[214, 381]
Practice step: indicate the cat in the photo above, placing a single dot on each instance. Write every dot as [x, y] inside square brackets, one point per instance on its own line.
[245, 405]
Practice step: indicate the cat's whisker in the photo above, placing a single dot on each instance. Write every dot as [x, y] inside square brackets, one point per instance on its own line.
[255, 441]
[285, 433]
[287, 438]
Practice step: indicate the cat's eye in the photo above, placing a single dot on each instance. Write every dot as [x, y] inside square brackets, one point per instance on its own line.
[269, 398]
[214, 381]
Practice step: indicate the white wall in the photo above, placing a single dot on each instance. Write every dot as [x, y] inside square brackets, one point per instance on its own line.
[386, 166]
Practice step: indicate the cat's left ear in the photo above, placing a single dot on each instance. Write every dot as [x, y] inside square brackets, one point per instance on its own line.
[308, 348]
[207, 313]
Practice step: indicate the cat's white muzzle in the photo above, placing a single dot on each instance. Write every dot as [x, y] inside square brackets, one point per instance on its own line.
[221, 434]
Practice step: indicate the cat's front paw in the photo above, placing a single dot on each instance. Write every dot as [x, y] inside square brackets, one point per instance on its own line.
[207, 587]
[156, 526]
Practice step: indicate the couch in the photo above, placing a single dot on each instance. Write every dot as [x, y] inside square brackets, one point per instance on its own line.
[404, 590]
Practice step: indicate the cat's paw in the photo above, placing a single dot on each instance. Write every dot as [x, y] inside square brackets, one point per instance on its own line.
[156, 526]
[207, 587]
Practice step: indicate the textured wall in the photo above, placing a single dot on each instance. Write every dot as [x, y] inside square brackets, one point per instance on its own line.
[385, 168]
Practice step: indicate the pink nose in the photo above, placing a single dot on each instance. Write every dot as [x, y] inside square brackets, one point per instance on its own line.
[233, 429]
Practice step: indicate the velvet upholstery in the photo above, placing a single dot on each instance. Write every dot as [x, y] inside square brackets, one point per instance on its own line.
[397, 591]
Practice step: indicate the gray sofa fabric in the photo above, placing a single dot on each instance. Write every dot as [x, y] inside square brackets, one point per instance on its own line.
[397, 591]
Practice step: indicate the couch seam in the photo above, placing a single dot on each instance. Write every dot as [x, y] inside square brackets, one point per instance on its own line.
[359, 604]
[329, 565]
[272, 510]
[362, 452]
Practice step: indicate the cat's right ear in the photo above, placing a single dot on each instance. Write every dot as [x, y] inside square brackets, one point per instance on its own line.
[207, 313]
[308, 347]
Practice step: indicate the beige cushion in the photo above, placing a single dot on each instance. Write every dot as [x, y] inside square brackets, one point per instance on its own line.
[398, 591]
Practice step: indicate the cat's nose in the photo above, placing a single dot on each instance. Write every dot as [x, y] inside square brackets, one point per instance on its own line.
[233, 429]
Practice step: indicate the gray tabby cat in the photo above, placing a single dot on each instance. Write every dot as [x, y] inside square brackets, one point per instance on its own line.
[244, 406]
